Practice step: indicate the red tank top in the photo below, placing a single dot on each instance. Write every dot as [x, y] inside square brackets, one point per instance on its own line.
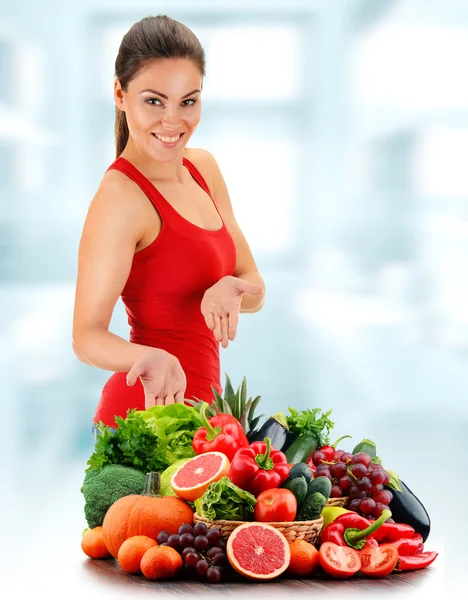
[162, 298]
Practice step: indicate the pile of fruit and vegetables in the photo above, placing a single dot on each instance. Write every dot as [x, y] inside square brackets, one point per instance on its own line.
[200, 491]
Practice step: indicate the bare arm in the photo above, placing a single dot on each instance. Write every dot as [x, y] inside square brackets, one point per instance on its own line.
[112, 229]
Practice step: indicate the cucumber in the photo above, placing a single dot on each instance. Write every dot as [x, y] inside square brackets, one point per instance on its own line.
[322, 485]
[312, 507]
[300, 469]
[301, 449]
[298, 486]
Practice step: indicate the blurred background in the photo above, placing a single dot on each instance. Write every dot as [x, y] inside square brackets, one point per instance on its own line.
[341, 128]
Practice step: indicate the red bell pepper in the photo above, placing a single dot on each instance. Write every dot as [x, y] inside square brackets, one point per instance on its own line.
[222, 433]
[416, 561]
[351, 529]
[409, 546]
[390, 532]
[258, 467]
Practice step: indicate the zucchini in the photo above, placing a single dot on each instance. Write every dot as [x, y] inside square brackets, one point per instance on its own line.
[298, 486]
[301, 449]
[312, 507]
[322, 485]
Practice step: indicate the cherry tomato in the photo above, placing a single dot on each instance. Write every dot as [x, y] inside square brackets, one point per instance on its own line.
[277, 504]
[339, 561]
[378, 561]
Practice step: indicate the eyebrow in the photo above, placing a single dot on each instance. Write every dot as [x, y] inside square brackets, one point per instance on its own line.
[164, 95]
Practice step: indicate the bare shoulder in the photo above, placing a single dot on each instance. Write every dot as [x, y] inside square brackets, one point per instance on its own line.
[205, 163]
[208, 166]
[118, 207]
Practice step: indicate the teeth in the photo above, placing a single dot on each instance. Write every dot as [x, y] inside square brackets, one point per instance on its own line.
[168, 139]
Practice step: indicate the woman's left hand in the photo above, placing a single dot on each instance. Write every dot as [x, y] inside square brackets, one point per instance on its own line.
[221, 306]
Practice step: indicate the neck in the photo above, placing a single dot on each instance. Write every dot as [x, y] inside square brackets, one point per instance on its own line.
[152, 168]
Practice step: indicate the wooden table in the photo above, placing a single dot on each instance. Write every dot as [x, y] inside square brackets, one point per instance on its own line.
[404, 584]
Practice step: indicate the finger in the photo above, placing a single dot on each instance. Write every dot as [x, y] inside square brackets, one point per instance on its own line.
[132, 375]
[224, 331]
[159, 400]
[149, 400]
[250, 288]
[179, 398]
[217, 327]
[233, 323]
[209, 321]
[169, 399]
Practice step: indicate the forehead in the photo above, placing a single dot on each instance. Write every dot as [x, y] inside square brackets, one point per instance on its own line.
[170, 73]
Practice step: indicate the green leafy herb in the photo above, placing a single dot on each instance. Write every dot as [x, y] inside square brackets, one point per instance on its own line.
[311, 422]
[224, 500]
[149, 440]
[132, 444]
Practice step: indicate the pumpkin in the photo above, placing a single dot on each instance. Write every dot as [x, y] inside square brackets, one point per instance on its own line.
[147, 514]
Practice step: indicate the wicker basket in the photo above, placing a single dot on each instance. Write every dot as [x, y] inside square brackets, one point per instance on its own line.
[292, 530]
[341, 502]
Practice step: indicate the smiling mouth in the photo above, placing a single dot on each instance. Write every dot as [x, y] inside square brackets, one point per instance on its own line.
[168, 139]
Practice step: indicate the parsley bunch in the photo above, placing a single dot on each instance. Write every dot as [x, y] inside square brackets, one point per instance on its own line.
[133, 444]
[311, 422]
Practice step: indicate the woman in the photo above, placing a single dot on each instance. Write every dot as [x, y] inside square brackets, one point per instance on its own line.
[160, 232]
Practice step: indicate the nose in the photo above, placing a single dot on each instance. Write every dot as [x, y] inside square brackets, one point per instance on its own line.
[171, 117]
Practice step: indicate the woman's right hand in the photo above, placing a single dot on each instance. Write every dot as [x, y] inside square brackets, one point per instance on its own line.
[161, 374]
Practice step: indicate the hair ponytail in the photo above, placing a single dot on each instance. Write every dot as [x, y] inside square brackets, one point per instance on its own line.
[121, 131]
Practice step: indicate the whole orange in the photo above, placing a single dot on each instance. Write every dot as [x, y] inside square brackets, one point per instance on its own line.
[131, 552]
[304, 559]
[92, 544]
[161, 562]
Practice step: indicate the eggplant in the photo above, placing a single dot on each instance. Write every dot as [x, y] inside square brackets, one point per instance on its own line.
[275, 428]
[407, 508]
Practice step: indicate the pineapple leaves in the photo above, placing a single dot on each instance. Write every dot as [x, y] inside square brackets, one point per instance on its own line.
[233, 403]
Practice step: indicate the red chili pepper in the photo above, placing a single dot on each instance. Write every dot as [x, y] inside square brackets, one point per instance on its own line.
[391, 532]
[329, 451]
[352, 531]
[409, 546]
[417, 561]
[258, 467]
[222, 433]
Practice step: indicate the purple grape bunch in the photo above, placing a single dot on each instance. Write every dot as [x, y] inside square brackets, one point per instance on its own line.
[203, 551]
[356, 476]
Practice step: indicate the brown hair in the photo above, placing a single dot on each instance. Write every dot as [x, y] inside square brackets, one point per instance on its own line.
[152, 38]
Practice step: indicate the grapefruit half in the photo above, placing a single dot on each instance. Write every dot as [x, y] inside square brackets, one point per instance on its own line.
[190, 481]
[258, 551]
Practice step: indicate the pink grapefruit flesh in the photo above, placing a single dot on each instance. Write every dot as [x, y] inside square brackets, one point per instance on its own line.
[191, 479]
[258, 551]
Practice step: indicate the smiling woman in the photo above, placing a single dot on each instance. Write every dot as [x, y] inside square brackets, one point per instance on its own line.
[161, 234]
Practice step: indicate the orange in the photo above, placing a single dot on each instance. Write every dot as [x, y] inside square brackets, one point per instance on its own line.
[190, 481]
[92, 543]
[304, 559]
[161, 562]
[132, 550]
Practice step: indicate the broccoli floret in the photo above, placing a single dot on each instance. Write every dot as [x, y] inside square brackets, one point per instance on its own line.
[102, 487]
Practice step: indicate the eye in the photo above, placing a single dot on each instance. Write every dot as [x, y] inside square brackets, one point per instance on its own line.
[151, 100]
[190, 100]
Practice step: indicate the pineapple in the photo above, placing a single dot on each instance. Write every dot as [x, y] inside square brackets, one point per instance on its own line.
[235, 404]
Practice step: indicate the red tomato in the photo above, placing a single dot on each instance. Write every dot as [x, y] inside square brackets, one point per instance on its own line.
[278, 504]
[378, 561]
[339, 561]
